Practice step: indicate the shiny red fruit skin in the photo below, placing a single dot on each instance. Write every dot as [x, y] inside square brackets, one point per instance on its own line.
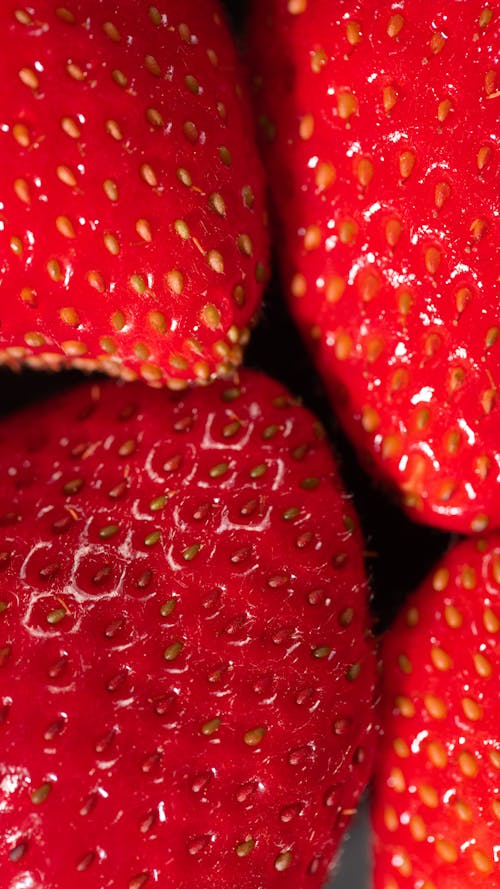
[436, 800]
[186, 666]
[132, 230]
[380, 125]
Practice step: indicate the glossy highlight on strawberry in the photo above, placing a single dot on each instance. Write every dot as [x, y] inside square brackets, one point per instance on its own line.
[436, 804]
[379, 125]
[186, 664]
[132, 221]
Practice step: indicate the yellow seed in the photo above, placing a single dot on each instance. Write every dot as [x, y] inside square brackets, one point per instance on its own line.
[215, 261]
[393, 229]
[453, 616]
[443, 110]
[428, 795]
[298, 285]
[482, 665]
[396, 780]
[210, 316]
[348, 230]
[75, 71]
[69, 316]
[472, 709]
[435, 707]
[152, 66]
[325, 175]
[389, 98]
[401, 748]
[182, 229]
[22, 190]
[483, 156]
[432, 259]
[111, 31]
[217, 203]
[347, 105]
[254, 737]
[312, 237]
[296, 7]
[111, 244]
[485, 17]
[96, 281]
[154, 117]
[405, 706]
[364, 171]
[437, 754]
[482, 862]
[406, 163]
[114, 130]
[463, 810]
[417, 828]
[175, 281]
[119, 78]
[441, 660]
[29, 78]
[468, 764]
[446, 850]
[395, 25]
[65, 227]
[284, 859]
[110, 189]
[74, 348]
[143, 229]
[491, 621]
[441, 194]
[391, 820]
[306, 126]
[21, 134]
[70, 127]
[343, 346]
[148, 175]
[370, 419]
[353, 32]
[335, 287]
[66, 175]
[437, 42]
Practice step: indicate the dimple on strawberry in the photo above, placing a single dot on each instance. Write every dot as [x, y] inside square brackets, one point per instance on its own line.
[186, 664]
[436, 805]
[380, 125]
[132, 229]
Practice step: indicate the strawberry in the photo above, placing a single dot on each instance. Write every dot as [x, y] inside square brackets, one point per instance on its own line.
[186, 666]
[132, 234]
[436, 800]
[380, 124]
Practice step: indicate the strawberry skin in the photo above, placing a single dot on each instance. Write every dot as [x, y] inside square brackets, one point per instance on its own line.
[379, 125]
[186, 665]
[132, 234]
[436, 806]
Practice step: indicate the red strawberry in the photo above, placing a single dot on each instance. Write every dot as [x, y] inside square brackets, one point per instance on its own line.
[382, 121]
[186, 666]
[437, 799]
[132, 236]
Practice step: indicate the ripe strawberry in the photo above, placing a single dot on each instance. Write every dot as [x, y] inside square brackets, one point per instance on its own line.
[381, 121]
[436, 799]
[132, 237]
[186, 667]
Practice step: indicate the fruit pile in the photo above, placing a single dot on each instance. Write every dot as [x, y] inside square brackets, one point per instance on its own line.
[214, 633]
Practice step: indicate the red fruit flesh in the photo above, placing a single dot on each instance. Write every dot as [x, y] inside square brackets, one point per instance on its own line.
[436, 806]
[380, 126]
[132, 234]
[186, 667]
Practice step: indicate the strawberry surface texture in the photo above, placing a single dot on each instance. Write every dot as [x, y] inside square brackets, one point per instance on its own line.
[132, 230]
[379, 126]
[186, 664]
[436, 800]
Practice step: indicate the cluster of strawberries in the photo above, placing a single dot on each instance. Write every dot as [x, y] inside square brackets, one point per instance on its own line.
[189, 680]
